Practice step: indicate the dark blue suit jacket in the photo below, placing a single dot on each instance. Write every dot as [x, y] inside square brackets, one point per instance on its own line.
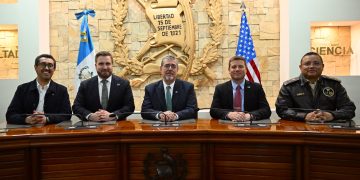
[254, 101]
[121, 100]
[183, 100]
[26, 99]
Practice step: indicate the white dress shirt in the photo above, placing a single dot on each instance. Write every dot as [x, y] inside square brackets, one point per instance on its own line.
[42, 91]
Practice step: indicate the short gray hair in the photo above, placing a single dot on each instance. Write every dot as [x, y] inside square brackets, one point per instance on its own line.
[170, 58]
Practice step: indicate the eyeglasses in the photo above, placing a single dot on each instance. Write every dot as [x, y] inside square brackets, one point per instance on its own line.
[44, 65]
[314, 63]
[168, 66]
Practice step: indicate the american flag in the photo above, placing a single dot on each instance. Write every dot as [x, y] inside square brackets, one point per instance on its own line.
[246, 49]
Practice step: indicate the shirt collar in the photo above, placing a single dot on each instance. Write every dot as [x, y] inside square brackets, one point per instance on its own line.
[40, 87]
[171, 85]
[108, 79]
[304, 81]
[234, 85]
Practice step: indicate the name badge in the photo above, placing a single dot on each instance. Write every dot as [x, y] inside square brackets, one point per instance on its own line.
[300, 94]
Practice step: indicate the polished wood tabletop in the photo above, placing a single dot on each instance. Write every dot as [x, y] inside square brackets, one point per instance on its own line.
[284, 127]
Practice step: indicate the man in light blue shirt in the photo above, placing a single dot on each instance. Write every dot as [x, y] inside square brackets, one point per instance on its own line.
[239, 99]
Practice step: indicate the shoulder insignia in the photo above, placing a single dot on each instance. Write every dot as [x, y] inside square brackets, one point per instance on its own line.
[331, 78]
[290, 81]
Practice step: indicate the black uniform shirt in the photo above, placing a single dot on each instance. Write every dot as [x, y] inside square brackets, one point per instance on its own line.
[329, 95]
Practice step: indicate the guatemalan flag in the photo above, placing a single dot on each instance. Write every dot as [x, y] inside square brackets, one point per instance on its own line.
[246, 49]
[85, 67]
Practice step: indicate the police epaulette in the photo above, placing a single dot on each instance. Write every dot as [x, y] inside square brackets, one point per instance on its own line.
[291, 81]
[331, 78]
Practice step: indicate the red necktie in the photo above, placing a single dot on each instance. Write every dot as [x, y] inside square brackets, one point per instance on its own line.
[237, 99]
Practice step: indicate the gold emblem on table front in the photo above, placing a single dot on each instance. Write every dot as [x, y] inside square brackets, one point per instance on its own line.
[165, 166]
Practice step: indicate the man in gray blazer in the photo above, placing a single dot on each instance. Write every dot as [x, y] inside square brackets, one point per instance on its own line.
[170, 98]
[106, 96]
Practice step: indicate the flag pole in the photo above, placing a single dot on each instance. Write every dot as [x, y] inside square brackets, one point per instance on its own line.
[85, 5]
[246, 48]
[85, 67]
[242, 7]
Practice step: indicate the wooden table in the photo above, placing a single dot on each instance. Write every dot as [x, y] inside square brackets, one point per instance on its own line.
[206, 149]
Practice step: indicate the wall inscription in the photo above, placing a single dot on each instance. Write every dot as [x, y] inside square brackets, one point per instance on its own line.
[174, 33]
[333, 50]
[9, 53]
[9, 60]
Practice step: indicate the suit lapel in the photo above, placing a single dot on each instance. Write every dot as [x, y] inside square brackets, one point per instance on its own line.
[112, 89]
[51, 91]
[229, 94]
[175, 95]
[247, 89]
[161, 94]
[95, 84]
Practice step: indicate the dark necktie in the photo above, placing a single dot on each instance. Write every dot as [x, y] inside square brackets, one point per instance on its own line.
[104, 94]
[168, 99]
[237, 99]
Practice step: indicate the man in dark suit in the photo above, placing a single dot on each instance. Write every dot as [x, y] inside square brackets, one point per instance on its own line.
[170, 98]
[40, 96]
[106, 96]
[239, 99]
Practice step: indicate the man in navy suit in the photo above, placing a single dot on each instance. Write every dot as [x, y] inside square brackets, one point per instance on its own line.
[106, 96]
[169, 99]
[40, 96]
[239, 99]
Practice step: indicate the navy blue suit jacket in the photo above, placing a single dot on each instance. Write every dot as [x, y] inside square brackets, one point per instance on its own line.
[254, 101]
[183, 100]
[26, 100]
[121, 100]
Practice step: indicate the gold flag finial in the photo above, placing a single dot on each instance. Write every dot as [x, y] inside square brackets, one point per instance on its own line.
[242, 7]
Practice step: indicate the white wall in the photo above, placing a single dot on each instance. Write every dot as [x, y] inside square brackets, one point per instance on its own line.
[351, 84]
[30, 17]
[295, 27]
[355, 44]
[296, 18]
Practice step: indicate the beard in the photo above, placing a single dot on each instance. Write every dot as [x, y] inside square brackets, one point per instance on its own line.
[169, 77]
[104, 74]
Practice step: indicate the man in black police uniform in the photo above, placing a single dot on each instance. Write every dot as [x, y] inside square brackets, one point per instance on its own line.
[313, 96]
